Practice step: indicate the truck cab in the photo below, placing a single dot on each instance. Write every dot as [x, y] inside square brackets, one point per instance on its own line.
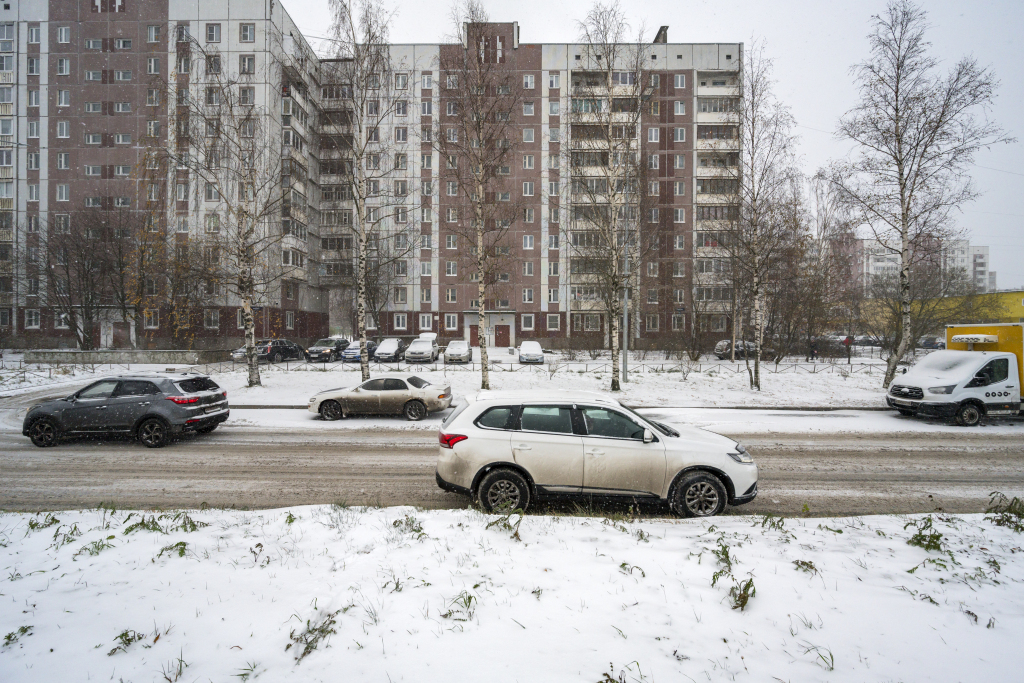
[965, 382]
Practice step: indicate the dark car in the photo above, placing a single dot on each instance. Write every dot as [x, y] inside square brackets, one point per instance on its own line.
[272, 351]
[326, 350]
[151, 407]
[931, 343]
[723, 349]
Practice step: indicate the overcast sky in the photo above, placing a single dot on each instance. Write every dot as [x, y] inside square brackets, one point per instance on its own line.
[813, 44]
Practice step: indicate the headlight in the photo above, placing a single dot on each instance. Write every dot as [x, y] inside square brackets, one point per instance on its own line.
[942, 390]
[741, 455]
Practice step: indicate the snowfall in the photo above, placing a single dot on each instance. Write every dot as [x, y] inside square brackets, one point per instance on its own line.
[335, 593]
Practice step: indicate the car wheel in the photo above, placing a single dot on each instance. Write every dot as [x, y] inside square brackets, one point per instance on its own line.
[152, 433]
[206, 430]
[43, 433]
[907, 412]
[968, 415]
[276, 358]
[699, 495]
[503, 491]
[414, 411]
[331, 410]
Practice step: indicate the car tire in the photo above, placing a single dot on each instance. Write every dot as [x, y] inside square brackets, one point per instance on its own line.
[44, 433]
[331, 410]
[206, 430]
[276, 358]
[699, 494]
[968, 415]
[503, 491]
[414, 411]
[152, 433]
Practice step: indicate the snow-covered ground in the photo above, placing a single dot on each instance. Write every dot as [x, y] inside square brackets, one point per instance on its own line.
[399, 594]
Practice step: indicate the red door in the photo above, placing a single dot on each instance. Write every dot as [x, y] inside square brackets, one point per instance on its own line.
[474, 335]
[501, 335]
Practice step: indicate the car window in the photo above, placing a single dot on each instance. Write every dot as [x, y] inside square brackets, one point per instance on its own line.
[373, 385]
[997, 370]
[395, 385]
[603, 422]
[418, 383]
[495, 418]
[102, 389]
[546, 419]
[191, 386]
[455, 413]
[136, 388]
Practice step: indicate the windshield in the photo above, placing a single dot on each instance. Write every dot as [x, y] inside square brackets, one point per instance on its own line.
[388, 344]
[324, 342]
[530, 347]
[417, 382]
[944, 362]
[191, 386]
[458, 345]
[420, 346]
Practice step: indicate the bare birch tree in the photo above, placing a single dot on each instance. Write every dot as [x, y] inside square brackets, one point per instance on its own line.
[916, 132]
[476, 137]
[608, 228]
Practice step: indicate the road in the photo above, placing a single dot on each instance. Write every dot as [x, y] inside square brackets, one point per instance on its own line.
[249, 468]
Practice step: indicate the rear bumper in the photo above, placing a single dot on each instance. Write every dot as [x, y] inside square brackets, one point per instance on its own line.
[450, 487]
[204, 421]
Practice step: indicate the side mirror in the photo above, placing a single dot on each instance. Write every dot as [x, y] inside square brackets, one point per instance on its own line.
[904, 371]
[648, 436]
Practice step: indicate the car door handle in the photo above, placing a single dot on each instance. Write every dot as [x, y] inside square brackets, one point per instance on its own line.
[524, 447]
[595, 451]
[145, 404]
[101, 407]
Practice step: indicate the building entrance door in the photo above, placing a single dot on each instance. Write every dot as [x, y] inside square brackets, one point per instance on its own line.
[474, 335]
[501, 335]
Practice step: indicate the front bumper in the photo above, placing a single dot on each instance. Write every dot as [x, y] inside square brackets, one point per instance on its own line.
[924, 408]
[748, 495]
[531, 359]
[319, 356]
[418, 359]
[456, 359]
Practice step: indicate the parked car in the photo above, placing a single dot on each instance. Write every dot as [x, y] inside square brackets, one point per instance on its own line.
[507, 449]
[351, 352]
[458, 351]
[272, 351]
[392, 394]
[931, 343]
[152, 407]
[423, 350]
[326, 350]
[531, 352]
[723, 349]
[390, 350]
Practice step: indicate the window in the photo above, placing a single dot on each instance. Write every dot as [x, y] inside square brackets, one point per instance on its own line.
[528, 215]
[427, 82]
[63, 67]
[452, 215]
[33, 192]
[678, 215]
[63, 129]
[247, 33]
[63, 161]
[679, 241]
[32, 158]
[425, 295]
[33, 35]
[528, 269]
[213, 33]
[122, 107]
[33, 98]
[212, 194]
[652, 322]
[63, 34]
[152, 34]
[212, 64]
[553, 108]
[211, 318]
[426, 241]
[680, 81]
[554, 419]
[451, 242]
[553, 79]
[527, 161]
[653, 135]
[401, 295]
[528, 82]
[678, 269]
[122, 75]
[153, 129]
[449, 295]
[528, 189]
[528, 108]
[652, 161]
[451, 321]
[425, 268]
[32, 318]
[528, 295]
[528, 135]
[184, 65]
[94, 75]
[33, 66]
[123, 139]
[527, 321]
[680, 161]
[426, 321]
[611, 424]
[528, 242]
[680, 135]
[451, 268]
[247, 64]
[680, 188]
[247, 97]
[93, 170]
[151, 318]
[679, 108]
[123, 44]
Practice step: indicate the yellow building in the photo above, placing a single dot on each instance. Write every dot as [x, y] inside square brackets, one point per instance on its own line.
[1002, 307]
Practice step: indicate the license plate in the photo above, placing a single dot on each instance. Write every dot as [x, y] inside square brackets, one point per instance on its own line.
[212, 409]
[901, 402]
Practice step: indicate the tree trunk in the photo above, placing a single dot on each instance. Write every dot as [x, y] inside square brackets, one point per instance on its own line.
[364, 358]
[904, 341]
[758, 331]
[614, 314]
[249, 323]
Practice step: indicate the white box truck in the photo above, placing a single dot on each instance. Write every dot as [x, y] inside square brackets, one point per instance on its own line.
[979, 374]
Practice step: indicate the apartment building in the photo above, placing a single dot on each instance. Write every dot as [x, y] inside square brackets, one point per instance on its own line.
[686, 132]
[88, 98]
[872, 259]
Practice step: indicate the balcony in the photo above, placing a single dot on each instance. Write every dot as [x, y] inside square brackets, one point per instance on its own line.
[6, 235]
[715, 172]
[728, 145]
[6, 267]
[718, 91]
[6, 77]
[717, 117]
[7, 109]
[6, 299]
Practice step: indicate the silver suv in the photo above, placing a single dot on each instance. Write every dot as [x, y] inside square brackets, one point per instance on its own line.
[509, 448]
[152, 407]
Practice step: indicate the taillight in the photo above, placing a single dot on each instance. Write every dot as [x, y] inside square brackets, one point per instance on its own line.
[224, 394]
[449, 440]
[183, 400]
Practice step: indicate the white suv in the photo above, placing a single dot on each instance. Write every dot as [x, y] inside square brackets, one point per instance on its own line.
[509, 448]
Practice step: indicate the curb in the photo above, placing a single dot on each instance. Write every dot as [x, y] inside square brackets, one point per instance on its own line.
[806, 409]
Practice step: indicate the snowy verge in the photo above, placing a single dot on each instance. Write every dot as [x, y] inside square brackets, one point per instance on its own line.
[402, 594]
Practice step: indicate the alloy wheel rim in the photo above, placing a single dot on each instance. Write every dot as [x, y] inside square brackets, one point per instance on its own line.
[331, 410]
[43, 432]
[971, 414]
[702, 499]
[503, 494]
[152, 432]
[416, 410]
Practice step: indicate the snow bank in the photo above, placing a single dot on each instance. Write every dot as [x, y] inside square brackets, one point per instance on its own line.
[335, 593]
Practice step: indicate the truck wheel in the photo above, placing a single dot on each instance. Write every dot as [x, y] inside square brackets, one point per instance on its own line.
[968, 415]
